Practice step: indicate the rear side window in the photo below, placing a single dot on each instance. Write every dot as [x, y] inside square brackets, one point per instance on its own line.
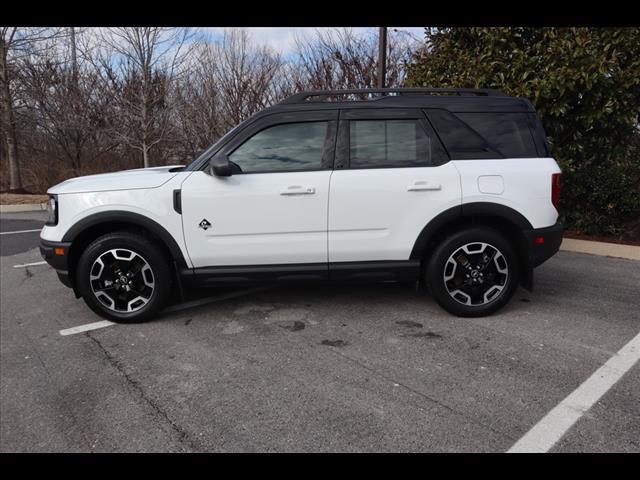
[509, 133]
[392, 143]
[462, 142]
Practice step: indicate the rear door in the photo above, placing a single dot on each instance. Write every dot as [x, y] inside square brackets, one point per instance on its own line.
[392, 176]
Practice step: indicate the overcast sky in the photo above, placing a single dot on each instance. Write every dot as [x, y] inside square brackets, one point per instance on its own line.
[282, 39]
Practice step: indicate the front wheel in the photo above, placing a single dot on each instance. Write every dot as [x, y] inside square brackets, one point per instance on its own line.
[473, 273]
[124, 277]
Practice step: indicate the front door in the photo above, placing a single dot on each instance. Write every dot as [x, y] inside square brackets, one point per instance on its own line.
[273, 209]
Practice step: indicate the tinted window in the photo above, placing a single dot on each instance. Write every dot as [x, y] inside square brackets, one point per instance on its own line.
[460, 140]
[291, 146]
[539, 137]
[392, 143]
[509, 133]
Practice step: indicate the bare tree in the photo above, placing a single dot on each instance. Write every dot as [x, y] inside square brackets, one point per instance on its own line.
[227, 81]
[342, 59]
[148, 59]
[198, 115]
[244, 75]
[72, 106]
[15, 43]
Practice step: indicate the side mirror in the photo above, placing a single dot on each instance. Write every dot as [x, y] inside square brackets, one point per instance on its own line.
[220, 166]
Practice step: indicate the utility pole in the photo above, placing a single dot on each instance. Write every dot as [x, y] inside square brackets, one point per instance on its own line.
[74, 61]
[382, 56]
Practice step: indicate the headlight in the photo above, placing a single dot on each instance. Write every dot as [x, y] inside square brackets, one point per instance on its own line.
[52, 210]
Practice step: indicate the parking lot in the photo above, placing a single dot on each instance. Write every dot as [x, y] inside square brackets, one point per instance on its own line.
[319, 368]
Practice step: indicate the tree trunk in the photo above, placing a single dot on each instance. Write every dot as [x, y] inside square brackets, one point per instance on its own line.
[8, 122]
[145, 154]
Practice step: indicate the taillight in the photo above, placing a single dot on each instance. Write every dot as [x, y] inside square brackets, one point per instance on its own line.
[555, 189]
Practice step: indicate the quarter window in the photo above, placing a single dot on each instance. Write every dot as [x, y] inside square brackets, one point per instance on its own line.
[392, 143]
[281, 148]
[461, 141]
[509, 133]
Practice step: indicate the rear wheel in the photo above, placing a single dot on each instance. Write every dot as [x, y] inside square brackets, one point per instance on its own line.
[473, 272]
[124, 277]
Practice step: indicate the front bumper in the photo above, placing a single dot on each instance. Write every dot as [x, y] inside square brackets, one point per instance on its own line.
[56, 254]
[543, 243]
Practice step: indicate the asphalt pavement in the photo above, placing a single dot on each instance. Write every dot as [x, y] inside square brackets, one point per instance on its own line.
[317, 368]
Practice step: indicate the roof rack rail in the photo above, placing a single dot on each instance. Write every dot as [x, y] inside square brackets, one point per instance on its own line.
[302, 97]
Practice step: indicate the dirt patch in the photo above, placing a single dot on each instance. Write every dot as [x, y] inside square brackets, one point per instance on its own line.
[630, 235]
[295, 327]
[19, 199]
[409, 324]
[625, 239]
[422, 334]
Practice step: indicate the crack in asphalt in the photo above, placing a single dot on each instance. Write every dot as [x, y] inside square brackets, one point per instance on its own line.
[423, 395]
[51, 380]
[183, 435]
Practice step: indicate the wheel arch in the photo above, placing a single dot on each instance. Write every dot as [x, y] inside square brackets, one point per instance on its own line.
[93, 226]
[502, 218]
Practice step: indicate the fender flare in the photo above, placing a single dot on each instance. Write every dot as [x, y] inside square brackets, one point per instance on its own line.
[466, 210]
[134, 219]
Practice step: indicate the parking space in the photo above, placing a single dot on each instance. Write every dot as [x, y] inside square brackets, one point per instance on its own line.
[318, 368]
[19, 232]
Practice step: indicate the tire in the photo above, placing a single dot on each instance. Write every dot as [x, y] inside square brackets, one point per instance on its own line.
[483, 292]
[124, 276]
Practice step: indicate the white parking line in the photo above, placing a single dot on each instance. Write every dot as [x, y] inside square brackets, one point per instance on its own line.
[20, 231]
[546, 433]
[173, 308]
[34, 264]
[86, 327]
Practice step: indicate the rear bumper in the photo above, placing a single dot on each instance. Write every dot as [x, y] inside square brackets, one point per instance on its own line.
[543, 243]
[56, 254]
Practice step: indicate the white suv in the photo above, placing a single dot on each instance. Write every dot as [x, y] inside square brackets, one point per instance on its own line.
[454, 188]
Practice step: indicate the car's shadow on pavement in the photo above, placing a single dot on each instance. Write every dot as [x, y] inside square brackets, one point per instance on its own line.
[382, 295]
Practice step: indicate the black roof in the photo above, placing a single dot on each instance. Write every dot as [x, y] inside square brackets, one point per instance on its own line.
[452, 99]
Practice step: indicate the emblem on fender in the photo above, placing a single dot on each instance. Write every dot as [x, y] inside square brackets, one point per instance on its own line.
[204, 224]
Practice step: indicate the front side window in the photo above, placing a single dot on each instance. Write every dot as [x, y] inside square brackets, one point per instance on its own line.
[392, 143]
[281, 148]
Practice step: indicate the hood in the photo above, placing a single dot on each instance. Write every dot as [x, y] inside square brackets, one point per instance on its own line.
[124, 180]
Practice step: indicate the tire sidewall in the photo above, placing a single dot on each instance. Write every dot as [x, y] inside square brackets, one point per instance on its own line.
[435, 271]
[140, 245]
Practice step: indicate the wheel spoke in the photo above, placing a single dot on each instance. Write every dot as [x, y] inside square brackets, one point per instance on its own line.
[460, 293]
[138, 302]
[102, 295]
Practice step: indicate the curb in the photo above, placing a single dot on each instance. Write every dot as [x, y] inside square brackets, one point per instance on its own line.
[23, 207]
[603, 249]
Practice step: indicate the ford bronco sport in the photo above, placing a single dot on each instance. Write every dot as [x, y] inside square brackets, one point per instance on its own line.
[452, 188]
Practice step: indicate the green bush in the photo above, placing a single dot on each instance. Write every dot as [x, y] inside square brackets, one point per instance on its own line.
[584, 84]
